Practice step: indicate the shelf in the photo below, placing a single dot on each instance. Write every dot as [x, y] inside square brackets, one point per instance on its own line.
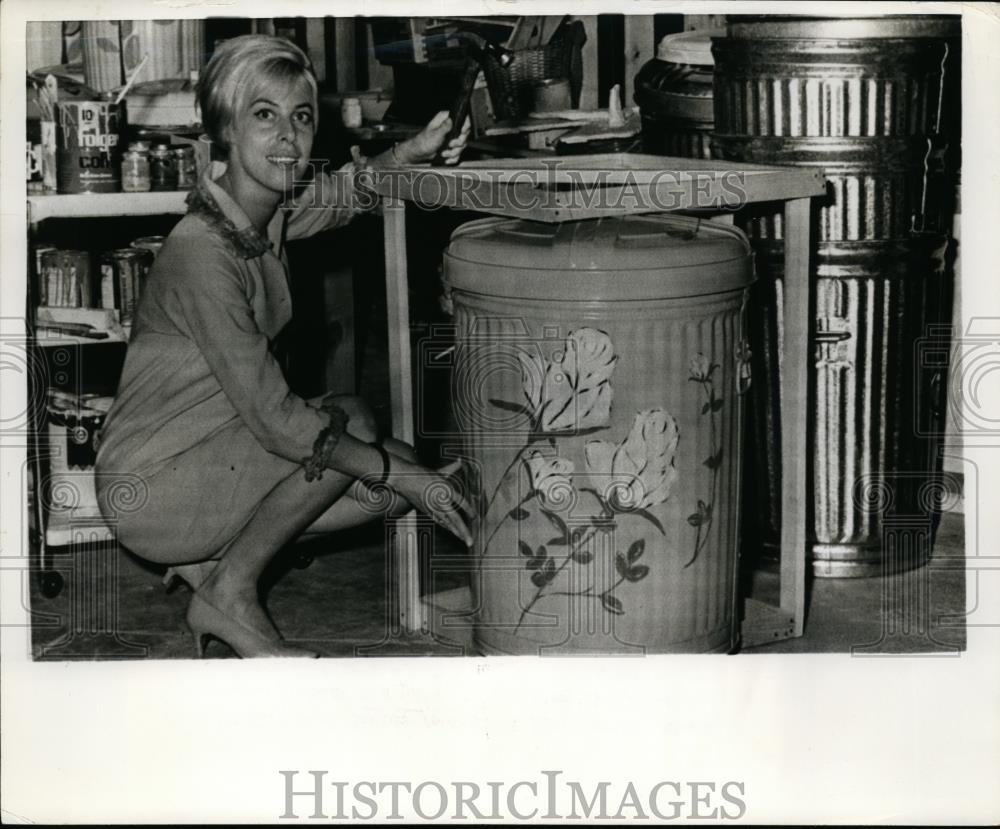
[62, 340]
[102, 205]
[62, 530]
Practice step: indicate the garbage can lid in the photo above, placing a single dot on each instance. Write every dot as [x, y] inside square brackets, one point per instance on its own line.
[692, 48]
[755, 27]
[652, 256]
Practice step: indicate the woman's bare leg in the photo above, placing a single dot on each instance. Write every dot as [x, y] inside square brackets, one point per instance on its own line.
[291, 507]
[357, 506]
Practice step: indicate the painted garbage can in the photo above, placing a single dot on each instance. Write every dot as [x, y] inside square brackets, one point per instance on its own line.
[599, 375]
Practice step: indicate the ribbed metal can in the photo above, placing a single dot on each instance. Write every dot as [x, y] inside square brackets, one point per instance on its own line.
[598, 371]
[876, 188]
[816, 86]
[874, 418]
[674, 94]
[873, 104]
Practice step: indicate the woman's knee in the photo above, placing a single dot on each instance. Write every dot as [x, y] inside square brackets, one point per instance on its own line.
[361, 422]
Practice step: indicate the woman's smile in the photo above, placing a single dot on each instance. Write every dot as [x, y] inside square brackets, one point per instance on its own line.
[270, 139]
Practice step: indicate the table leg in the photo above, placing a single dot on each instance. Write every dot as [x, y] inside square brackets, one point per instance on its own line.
[794, 410]
[405, 550]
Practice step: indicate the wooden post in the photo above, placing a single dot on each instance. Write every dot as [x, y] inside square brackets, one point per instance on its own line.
[639, 48]
[588, 92]
[405, 552]
[795, 466]
[344, 51]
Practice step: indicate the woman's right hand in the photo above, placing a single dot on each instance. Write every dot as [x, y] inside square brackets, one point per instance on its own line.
[433, 493]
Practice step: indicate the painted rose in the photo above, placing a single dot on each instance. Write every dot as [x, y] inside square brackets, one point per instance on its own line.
[550, 476]
[639, 472]
[573, 391]
[699, 368]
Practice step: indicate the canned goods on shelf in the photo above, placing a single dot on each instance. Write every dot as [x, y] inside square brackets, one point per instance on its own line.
[135, 172]
[187, 170]
[88, 151]
[39, 280]
[122, 273]
[162, 168]
[151, 243]
[65, 277]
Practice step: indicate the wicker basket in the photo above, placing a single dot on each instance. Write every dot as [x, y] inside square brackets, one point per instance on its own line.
[512, 87]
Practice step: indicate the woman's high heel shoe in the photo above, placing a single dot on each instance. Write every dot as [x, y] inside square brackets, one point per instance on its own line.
[205, 619]
[193, 575]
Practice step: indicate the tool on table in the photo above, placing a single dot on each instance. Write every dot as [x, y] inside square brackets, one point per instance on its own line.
[77, 329]
[477, 48]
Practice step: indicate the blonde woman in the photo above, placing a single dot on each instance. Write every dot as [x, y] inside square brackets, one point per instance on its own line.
[229, 465]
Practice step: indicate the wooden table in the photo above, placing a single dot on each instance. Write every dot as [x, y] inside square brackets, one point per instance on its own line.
[631, 184]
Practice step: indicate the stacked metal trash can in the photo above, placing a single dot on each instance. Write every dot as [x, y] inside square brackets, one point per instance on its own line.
[674, 94]
[872, 104]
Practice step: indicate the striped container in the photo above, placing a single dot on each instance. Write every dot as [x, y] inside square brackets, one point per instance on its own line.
[873, 408]
[674, 94]
[868, 102]
[597, 386]
[112, 49]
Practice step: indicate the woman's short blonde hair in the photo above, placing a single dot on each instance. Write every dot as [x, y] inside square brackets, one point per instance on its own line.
[235, 65]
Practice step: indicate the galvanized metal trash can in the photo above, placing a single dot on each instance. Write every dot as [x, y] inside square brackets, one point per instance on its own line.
[598, 373]
[674, 94]
[869, 102]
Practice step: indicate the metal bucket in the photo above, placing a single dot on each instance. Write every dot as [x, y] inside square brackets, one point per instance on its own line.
[868, 103]
[597, 387]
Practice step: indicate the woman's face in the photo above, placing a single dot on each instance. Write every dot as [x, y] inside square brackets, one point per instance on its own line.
[270, 137]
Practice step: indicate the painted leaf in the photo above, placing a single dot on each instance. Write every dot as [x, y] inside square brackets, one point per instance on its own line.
[612, 604]
[532, 377]
[538, 579]
[550, 570]
[577, 391]
[518, 514]
[714, 461]
[652, 519]
[621, 565]
[507, 406]
[557, 522]
[558, 541]
[525, 549]
[637, 573]
[106, 44]
[705, 408]
[582, 556]
[131, 55]
[636, 550]
[717, 404]
[536, 562]
[694, 519]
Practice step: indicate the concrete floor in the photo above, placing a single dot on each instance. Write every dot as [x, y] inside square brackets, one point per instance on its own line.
[114, 606]
[337, 606]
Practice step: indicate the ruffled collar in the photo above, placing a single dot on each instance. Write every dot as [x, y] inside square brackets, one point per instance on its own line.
[215, 206]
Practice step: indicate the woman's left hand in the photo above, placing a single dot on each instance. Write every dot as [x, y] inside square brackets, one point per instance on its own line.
[425, 144]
